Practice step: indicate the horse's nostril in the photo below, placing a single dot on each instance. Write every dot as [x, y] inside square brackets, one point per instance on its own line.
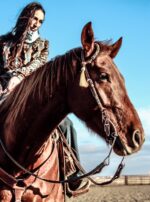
[136, 138]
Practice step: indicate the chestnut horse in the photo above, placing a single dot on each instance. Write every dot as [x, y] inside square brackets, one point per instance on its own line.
[37, 105]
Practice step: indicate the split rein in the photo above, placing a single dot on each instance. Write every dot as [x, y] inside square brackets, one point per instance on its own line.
[111, 138]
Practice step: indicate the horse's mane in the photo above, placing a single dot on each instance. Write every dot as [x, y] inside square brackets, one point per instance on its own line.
[39, 84]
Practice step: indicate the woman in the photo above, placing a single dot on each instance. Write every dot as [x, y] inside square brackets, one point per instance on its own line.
[22, 50]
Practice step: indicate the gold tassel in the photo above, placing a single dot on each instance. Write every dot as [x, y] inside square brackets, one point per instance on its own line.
[83, 82]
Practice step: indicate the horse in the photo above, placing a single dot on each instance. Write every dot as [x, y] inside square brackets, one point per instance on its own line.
[84, 81]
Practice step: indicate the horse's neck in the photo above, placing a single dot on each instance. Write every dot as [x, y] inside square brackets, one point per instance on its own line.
[44, 126]
[39, 120]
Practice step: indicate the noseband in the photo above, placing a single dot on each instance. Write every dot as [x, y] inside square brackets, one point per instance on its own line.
[110, 138]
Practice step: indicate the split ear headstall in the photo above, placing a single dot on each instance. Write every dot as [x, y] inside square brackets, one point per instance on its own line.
[83, 80]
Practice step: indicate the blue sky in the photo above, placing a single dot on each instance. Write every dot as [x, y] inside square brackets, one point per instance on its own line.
[111, 19]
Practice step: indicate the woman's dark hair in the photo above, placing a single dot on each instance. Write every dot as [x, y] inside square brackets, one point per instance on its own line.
[18, 33]
[24, 18]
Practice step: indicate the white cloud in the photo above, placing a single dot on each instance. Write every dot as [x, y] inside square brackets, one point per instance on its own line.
[93, 148]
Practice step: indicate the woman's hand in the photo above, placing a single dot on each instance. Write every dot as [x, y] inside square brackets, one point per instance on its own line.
[14, 81]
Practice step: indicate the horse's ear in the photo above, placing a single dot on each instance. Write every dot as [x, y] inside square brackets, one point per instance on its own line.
[115, 48]
[87, 38]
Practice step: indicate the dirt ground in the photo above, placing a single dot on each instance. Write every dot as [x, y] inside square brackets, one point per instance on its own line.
[115, 194]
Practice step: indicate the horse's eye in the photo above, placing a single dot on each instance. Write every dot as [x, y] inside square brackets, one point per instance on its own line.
[104, 77]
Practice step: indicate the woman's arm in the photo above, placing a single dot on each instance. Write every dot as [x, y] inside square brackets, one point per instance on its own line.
[35, 63]
[21, 73]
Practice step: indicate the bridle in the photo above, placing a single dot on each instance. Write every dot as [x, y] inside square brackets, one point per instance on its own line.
[105, 118]
[110, 138]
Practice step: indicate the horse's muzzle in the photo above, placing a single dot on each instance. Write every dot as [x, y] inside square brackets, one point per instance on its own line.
[129, 147]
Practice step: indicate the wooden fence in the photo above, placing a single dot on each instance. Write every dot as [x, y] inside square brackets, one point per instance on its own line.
[127, 180]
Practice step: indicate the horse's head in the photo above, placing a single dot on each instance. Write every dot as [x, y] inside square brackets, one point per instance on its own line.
[109, 110]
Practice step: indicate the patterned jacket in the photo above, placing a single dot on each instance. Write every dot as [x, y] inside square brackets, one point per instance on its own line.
[33, 55]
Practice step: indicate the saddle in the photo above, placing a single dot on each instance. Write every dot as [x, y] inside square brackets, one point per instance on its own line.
[72, 169]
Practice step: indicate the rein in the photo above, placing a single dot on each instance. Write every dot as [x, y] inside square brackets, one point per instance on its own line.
[111, 138]
[9, 179]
